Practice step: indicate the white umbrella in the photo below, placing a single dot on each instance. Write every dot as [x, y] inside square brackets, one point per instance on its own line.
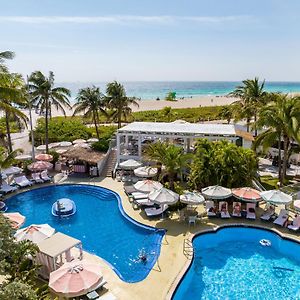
[34, 233]
[82, 145]
[92, 140]
[65, 144]
[148, 186]
[61, 151]
[11, 171]
[216, 192]
[130, 164]
[192, 198]
[23, 157]
[297, 204]
[276, 197]
[54, 145]
[41, 147]
[145, 172]
[163, 196]
[79, 141]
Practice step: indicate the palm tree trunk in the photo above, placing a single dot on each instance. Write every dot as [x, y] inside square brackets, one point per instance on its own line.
[279, 161]
[255, 120]
[119, 118]
[96, 125]
[248, 124]
[8, 132]
[46, 126]
[285, 156]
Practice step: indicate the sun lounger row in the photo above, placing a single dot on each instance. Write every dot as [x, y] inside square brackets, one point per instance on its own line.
[7, 188]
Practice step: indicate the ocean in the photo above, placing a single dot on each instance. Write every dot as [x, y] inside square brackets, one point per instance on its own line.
[153, 90]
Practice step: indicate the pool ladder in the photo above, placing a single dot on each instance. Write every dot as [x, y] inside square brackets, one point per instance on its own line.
[188, 248]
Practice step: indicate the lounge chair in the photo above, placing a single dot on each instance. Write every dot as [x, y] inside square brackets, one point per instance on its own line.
[210, 209]
[22, 181]
[138, 196]
[251, 211]
[36, 178]
[45, 176]
[282, 217]
[108, 296]
[129, 189]
[143, 202]
[155, 211]
[6, 188]
[268, 213]
[223, 208]
[236, 209]
[295, 224]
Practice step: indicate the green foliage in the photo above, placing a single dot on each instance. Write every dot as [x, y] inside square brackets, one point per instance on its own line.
[13, 126]
[55, 156]
[171, 96]
[18, 290]
[102, 145]
[222, 163]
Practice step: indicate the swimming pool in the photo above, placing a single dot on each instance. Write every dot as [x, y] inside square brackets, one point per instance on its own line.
[100, 223]
[232, 264]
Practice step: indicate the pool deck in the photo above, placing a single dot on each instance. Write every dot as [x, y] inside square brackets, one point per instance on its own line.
[172, 263]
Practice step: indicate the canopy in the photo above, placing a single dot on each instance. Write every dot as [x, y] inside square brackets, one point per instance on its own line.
[23, 157]
[148, 186]
[247, 194]
[40, 166]
[41, 147]
[92, 140]
[83, 145]
[11, 171]
[192, 198]
[65, 144]
[130, 164]
[44, 157]
[276, 197]
[34, 233]
[163, 196]
[79, 141]
[216, 192]
[75, 278]
[16, 219]
[145, 172]
[297, 204]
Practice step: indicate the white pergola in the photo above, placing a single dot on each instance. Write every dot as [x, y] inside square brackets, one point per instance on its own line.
[131, 137]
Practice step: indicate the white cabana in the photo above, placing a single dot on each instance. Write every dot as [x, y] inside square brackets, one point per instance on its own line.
[192, 198]
[276, 197]
[34, 233]
[216, 192]
[145, 172]
[130, 164]
[297, 204]
[163, 196]
[147, 186]
[65, 144]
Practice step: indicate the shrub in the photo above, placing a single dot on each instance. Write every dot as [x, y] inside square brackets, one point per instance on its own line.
[102, 145]
[55, 156]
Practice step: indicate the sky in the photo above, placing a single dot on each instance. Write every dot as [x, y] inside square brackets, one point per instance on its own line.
[153, 40]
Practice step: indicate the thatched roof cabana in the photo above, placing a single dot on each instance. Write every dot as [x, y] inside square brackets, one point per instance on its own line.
[84, 154]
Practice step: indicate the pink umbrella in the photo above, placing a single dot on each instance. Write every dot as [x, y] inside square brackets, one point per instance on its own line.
[16, 219]
[75, 278]
[44, 157]
[40, 166]
[246, 194]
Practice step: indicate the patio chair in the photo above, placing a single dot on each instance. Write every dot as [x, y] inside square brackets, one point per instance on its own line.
[22, 181]
[156, 211]
[268, 213]
[295, 224]
[282, 217]
[129, 189]
[139, 195]
[250, 207]
[236, 209]
[210, 209]
[45, 176]
[223, 208]
[36, 178]
[6, 188]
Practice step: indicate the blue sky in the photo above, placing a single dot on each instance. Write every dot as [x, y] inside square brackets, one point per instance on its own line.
[129, 40]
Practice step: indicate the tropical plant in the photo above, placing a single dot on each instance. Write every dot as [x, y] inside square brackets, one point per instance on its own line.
[102, 145]
[7, 159]
[171, 96]
[45, 95]
[226, 113]
[118, 101]
[3, 57]
[168, 113]
[91, 102]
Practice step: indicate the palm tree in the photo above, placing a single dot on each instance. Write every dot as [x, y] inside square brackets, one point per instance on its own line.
[4, 56]
[7, 159]
[44, 95]
[226, 113]
[118, 101]
[91, 102]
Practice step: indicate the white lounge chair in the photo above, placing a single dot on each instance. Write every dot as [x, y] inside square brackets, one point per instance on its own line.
[251, 211]
[210, 208]
[268, 213]
[295, 224]
[143, 202]
[36, 178]
[282, 218]
[223, 208]
[6, 188]
[45, 177]
[155, 211]
[139, 195]
[22, 181]
[236, 209]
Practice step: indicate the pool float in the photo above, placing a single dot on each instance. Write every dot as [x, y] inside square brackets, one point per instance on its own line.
[265, 243]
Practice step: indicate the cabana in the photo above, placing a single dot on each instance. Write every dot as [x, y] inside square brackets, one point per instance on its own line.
[56, 250]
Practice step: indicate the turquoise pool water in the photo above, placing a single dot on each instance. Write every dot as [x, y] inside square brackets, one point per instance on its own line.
[231, 264]
[100, 223]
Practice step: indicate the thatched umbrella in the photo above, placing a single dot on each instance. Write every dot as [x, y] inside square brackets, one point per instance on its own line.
[84, 154]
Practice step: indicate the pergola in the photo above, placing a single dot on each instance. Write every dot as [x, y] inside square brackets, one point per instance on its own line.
[130, 138]
[56, 250]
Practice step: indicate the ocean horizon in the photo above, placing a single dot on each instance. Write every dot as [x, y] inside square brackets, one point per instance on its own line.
[150, 90]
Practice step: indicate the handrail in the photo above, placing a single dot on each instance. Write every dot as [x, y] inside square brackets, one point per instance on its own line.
[258, 185]
[188, 248]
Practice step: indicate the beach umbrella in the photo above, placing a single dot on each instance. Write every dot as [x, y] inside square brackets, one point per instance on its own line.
[54, 145]
[79, 141]
[92, 140]
[163, 196]
[130, 164]
[65, 144]
[44, 157]
[16, 219]
[83, 145]
[246, 194]
[297, 204]
[145, 172]
[61, 151]
[216, 192]
[34, 233]
[23, 157]
[147, 186]
[40, 166]
[276, 197]
[11, 171]
[41, 147]
[75, 278]
[192, 198]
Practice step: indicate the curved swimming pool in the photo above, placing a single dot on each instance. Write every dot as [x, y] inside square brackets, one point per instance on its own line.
[232, 264]
[100, 223]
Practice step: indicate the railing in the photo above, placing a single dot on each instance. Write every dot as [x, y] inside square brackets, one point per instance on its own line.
[188, 248]
[258, 185]
[103, 163]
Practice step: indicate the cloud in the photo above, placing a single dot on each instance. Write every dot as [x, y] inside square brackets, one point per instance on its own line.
[121, 19]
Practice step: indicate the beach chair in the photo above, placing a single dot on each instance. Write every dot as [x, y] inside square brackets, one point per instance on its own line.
[236, 209]
[143, 202]
[6, 188]
[139, 195]
[129, 189]
[268, 213]
[22, 181]
[36, 178]
[155, 211]
[223, 208]
[45, 177]
[295, 224]
[210, 209]
[250, 207]
[282, 217]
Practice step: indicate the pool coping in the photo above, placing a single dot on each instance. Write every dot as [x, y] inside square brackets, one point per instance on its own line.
[182, 273]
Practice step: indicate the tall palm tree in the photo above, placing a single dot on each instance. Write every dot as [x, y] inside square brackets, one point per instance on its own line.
[118, 101]
[3, 57]
[91, 102]
[44, 95]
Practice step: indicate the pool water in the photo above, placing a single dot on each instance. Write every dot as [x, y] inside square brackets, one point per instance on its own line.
[232, 264]
[100, 223]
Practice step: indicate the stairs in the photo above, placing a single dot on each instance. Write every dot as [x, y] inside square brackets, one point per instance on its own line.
[110, 164]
